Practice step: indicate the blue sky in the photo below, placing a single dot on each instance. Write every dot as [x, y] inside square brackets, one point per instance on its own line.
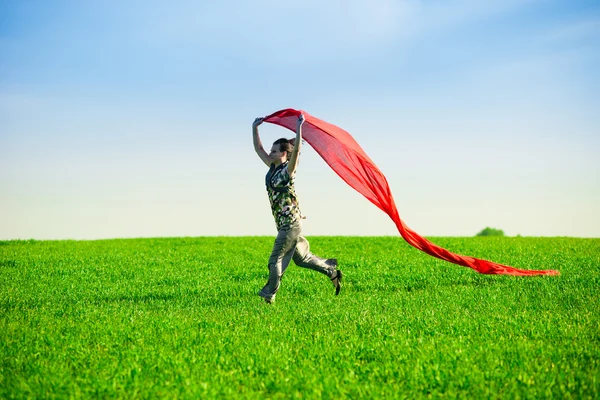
[132, 118]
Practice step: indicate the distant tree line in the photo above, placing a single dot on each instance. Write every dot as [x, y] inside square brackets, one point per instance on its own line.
[487, 231]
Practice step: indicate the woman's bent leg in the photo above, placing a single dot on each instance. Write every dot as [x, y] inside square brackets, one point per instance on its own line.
[305, 259]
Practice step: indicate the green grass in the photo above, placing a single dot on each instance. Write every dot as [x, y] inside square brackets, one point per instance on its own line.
[179, 317]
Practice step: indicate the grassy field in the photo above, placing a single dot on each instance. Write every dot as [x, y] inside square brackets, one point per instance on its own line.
[179, 317]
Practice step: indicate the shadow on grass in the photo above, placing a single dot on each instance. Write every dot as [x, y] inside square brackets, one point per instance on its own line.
[8, 263]
[478, 281]
[389, 282]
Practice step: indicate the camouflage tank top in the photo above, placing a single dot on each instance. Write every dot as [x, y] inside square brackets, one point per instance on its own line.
[282, 195]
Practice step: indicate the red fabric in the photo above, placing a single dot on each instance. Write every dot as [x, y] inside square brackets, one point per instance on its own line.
[351, 163]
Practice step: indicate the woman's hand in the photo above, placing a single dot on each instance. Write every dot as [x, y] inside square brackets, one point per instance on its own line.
[257, 122]
[301, 120]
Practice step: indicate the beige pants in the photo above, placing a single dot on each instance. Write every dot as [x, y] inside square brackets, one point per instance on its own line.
[289, 245]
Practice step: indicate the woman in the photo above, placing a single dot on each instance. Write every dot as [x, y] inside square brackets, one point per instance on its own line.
[289, 244]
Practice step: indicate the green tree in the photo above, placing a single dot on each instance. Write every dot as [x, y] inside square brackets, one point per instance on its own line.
[491, 232]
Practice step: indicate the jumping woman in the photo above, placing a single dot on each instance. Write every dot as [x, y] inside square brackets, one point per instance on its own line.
[289, 244]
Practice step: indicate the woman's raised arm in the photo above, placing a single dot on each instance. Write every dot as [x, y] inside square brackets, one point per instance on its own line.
[293, 158]
[258, 147]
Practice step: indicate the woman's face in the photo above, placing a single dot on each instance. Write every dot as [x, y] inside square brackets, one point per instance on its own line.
[275, 154]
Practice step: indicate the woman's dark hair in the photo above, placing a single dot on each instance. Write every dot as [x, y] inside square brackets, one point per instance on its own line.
[285, 145]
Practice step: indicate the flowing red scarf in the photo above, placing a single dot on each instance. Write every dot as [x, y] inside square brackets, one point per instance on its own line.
[343, 154]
